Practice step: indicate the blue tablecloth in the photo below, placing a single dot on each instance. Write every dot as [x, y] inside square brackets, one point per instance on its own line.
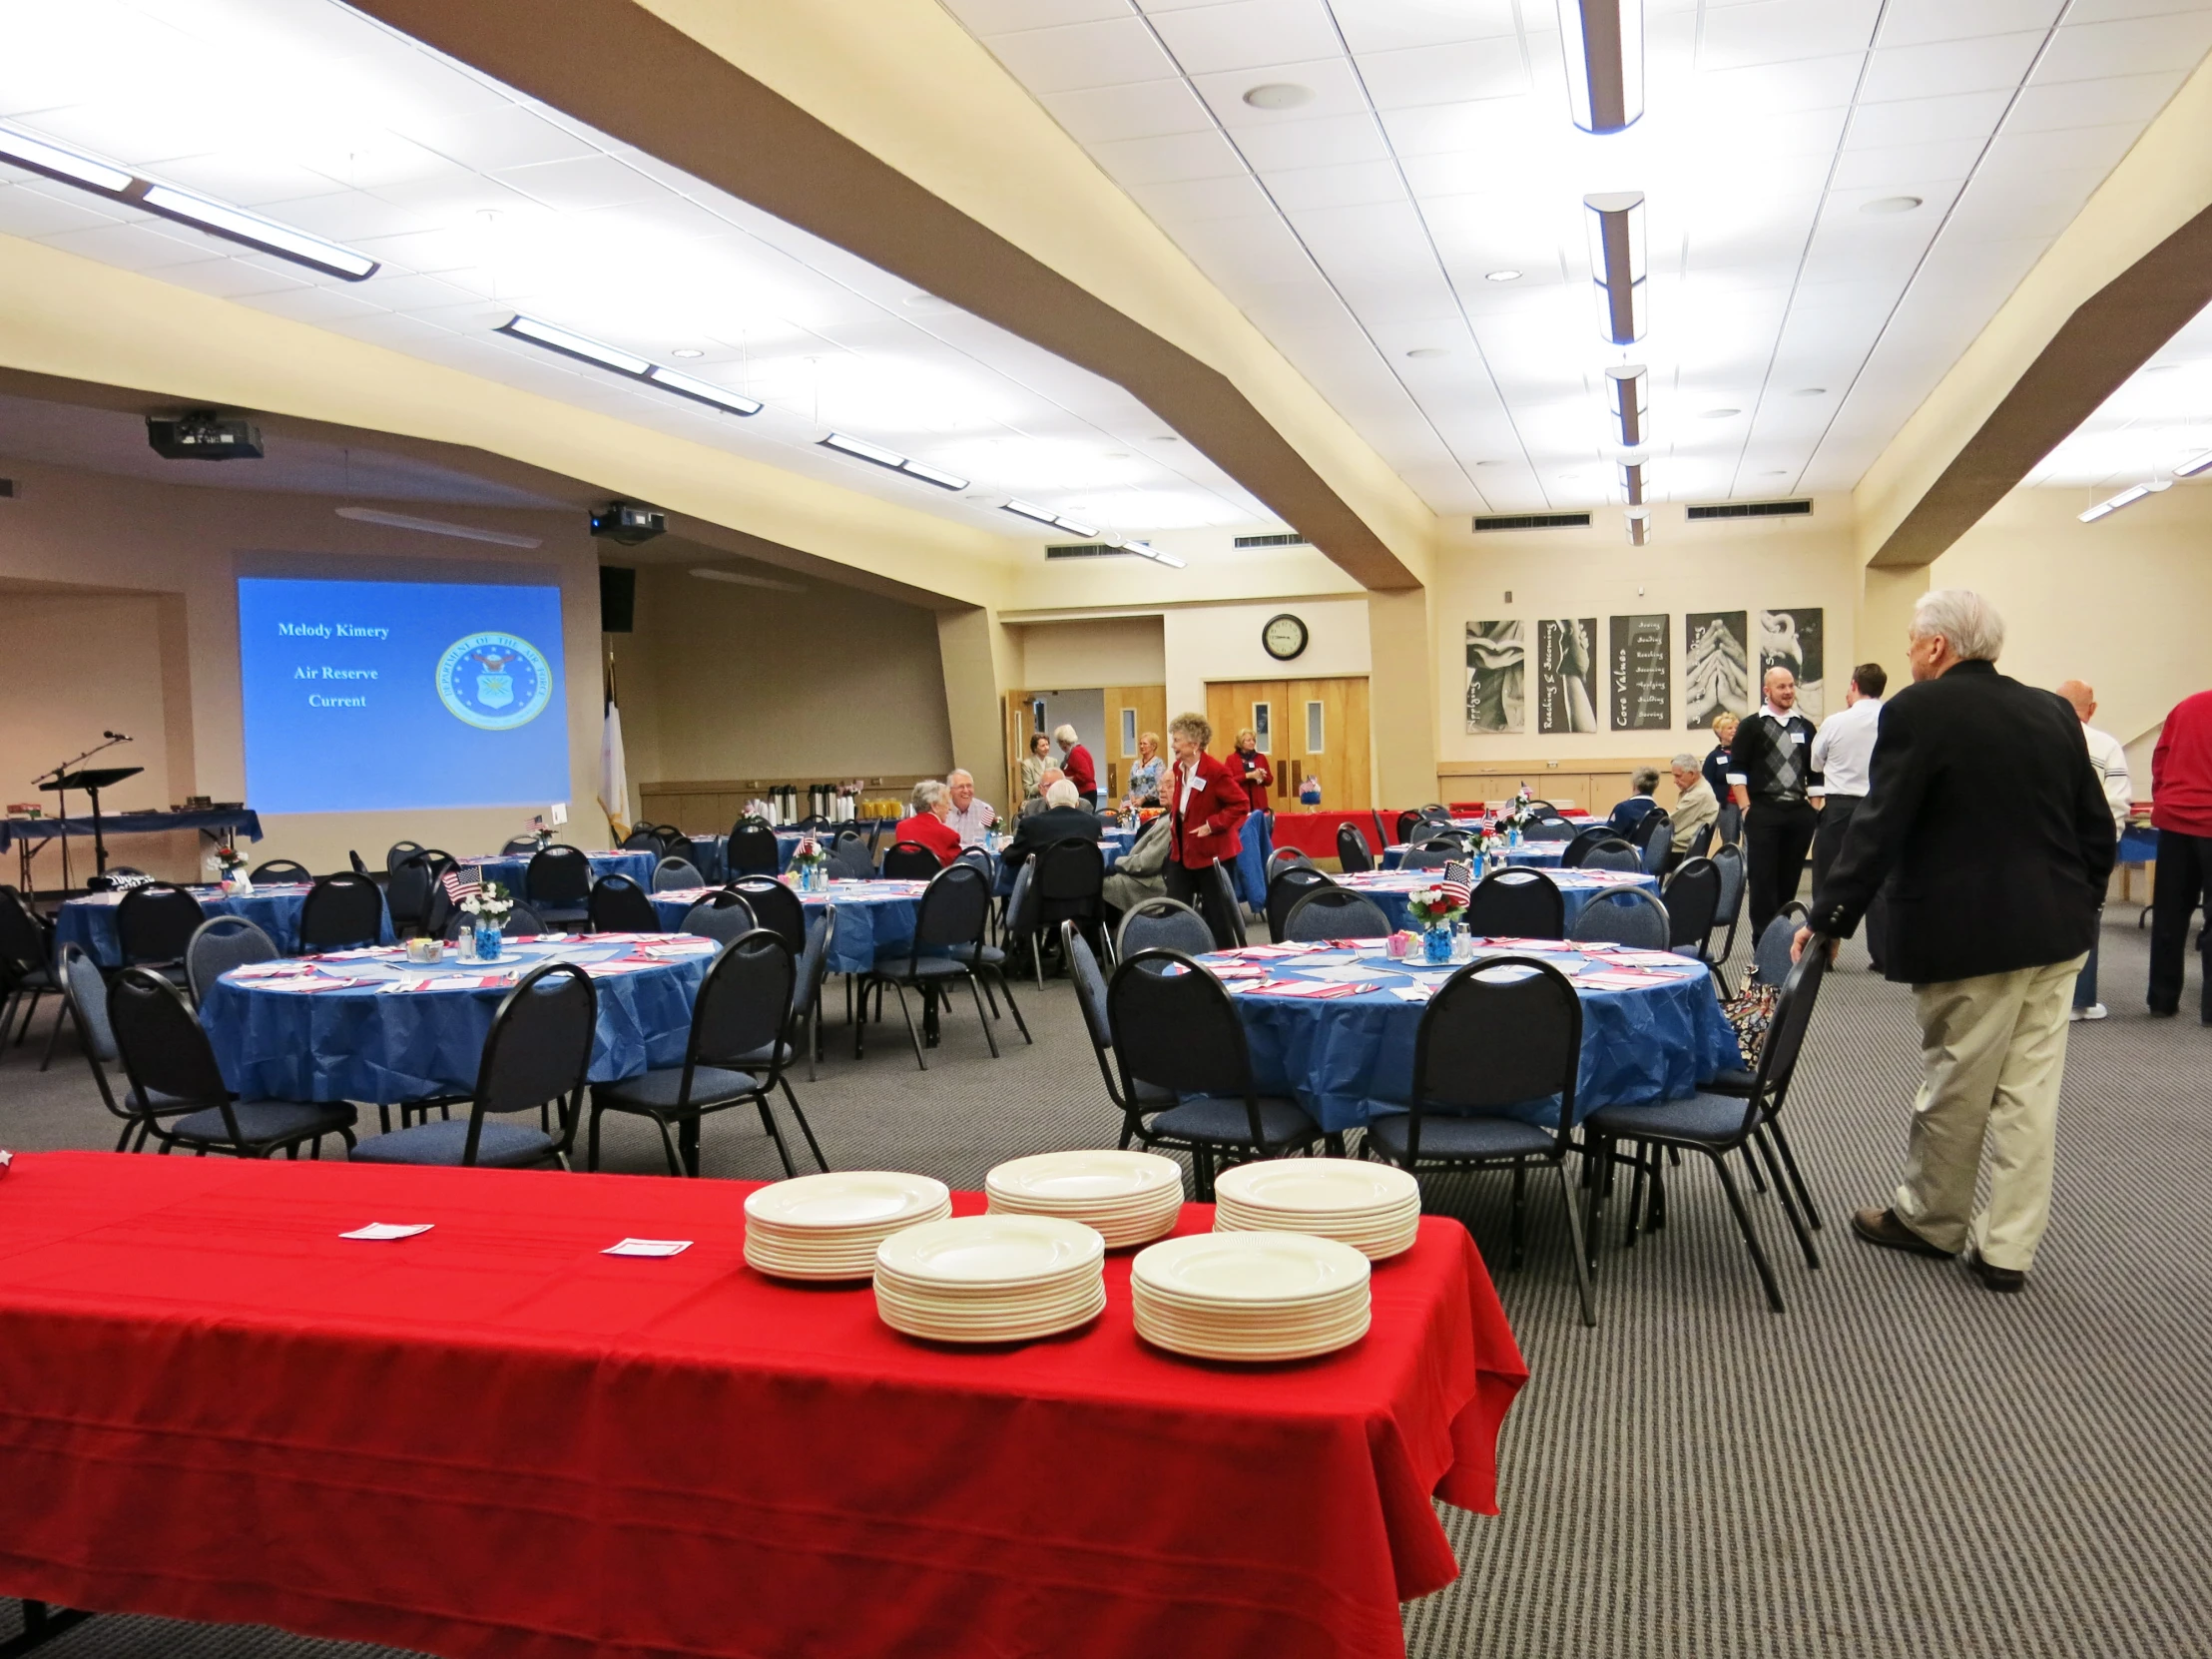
[1535, 854]
[369, 1044]
[2138, 845]
[1114, 844]
[1576, 886]
[873, 917]
[38, 829]
[509, 873]
[88, 923]
[1350, 1059]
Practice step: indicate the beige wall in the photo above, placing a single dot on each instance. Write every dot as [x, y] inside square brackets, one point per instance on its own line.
[1222, 642]
[162, 561]
[726, 682]
[78, 665]
[1093, 651]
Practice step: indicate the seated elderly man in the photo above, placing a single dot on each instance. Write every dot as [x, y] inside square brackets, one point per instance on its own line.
[969, 817]
[1630, 813]
[1037, 802]
[1064, 818]
[1697, 808]
[1142, 873]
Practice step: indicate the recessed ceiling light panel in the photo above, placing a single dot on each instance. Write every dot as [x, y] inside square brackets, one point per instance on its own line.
[575, 345]
[65, 165]
[1501, 276]
[1426, 351]
[704, 391]
[1890, 205]
[891, 460]
[1279, 95]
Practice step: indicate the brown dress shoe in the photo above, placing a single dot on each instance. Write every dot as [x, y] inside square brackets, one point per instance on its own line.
[1882, 1226]
[2005, 1280]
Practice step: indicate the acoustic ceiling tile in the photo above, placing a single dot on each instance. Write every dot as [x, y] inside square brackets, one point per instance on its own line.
[1475, 68]
[1948, 118]
[2128, 46]
[1919, 22]
[1951, 66]
[1116, 52]
[1782, 31]
[2057, 106]
[1318, 143]
[1147, 109]
[1247, 34]
[1170, 159]
[1344, 185]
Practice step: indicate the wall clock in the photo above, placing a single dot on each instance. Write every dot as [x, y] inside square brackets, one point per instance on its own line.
[1283, 636]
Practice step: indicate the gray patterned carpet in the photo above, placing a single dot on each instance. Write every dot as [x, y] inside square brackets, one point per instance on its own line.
[1903, 1464]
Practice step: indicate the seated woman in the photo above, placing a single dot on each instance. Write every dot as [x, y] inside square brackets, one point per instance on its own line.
[928, 825]
[1630, 813]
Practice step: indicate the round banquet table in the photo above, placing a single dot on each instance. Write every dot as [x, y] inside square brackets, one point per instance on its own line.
[1578, 886]
[1655, 1032]
[511, 871]
[873, 917]
[88, 923]
[1531, 855]
[355, 1027]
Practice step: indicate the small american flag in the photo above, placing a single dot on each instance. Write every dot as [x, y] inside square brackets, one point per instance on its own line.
[461, 881]
[1456, 881]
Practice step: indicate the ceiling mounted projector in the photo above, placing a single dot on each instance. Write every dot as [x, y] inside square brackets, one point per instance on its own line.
[624, 522]
[204, 435]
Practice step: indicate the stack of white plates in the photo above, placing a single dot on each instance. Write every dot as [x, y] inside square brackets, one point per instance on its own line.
[827, 1225]
[1129, 1197]
[1375, 1208]
[1250, 1296]
[992, 1279]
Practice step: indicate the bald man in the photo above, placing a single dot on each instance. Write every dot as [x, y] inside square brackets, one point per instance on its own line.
[2109, 762]
[1773, 752]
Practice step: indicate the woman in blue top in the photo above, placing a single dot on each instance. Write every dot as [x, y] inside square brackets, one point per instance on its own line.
[1144, 777]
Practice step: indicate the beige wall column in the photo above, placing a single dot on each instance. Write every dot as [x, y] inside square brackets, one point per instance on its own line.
[981, 663]
[1886, 599]
[1402, 697]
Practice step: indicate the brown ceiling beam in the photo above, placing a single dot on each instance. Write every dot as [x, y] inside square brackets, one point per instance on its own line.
[619, 67]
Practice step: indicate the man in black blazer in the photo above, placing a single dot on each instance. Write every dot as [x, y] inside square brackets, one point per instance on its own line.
[1985, 815]
[1064, 818]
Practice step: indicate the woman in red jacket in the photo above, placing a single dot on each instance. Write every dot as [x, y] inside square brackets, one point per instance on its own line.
[1207, 803]
[932, 804]
[1252, 769]
[1081, 769]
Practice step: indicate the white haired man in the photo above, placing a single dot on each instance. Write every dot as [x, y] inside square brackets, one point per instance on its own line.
[1695, 805]
[969, 817]
[1986, 819]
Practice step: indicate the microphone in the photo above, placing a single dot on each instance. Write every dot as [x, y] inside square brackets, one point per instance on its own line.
[115, 737]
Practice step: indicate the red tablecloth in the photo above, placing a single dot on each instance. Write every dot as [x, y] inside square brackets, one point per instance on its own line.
[1314, 834]
[493, 1440]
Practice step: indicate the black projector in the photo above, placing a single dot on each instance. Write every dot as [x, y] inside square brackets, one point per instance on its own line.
[624, 522]
[204, 435]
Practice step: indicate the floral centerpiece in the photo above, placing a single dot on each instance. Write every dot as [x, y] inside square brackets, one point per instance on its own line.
[1515, 817]
[810, 867]
[1438, 905]
[543, 835]
[490, 906]
[232, 862]
[1494, 848]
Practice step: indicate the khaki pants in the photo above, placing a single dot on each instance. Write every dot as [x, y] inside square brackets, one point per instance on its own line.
[1992, 1051]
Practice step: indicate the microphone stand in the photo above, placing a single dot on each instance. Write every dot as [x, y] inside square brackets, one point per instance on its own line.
[61, 807]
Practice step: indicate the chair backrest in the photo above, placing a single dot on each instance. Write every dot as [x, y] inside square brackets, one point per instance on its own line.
[1334, 912]
[1730, 824]
[1285, 889]
[1641, 830]
[955, 908]
[410, 883]
[1091, 998]
[161, 1046]
[1612, 853]
[156, 922]
[678, 845]
[1498, 1034]
[851, 857]
[1728, 859]
[360, 864]
[910, 862]
[1353, 853]
[644, 841]
[1657, 845]
[220, 944]
[558, 874]
[518, 847]
[1430, 856]
[776, 906]
[1548, 830]
[751, 848]
[1700, 844]
[281, 870]
[814, 962]
[673, 874]
[1160, 924]
[1771, 962]
[1285, 858]
[1406, 822]
[1021, 904]
[1584, 838]
[1628, 915]
[1175, 1029]
[339, 911]
[1518, 903]
[1435, 813]
[538, 1049]
[522, 922]
[1786, 1027]
[86, 989]
[397, 851]
[1069, 871]
[721, 916]
[22, 940]
[1232, 907]
[744, 1005]
[1693, 902]
[620, 905]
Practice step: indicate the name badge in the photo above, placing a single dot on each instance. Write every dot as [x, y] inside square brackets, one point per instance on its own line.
[1798, 737]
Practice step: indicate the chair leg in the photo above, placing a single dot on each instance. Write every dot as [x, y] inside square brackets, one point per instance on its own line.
[1036, 959]
[775, 1133]
[591, 1146]
[976, 989]
[908, 1014]
[1013, 1008]
[1574, 1236]
[804, 1128]
[1772, 1126]
[859, 1024]
[53, 1037]
[1758, 1181]
[813, 1036]
[1630, 1221]
[1521, 1190]
[1789, 1205]
[667, 1145]
[988, 997]
[1751, 1236]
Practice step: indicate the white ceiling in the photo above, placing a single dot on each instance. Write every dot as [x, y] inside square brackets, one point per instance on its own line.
[1792, 332]
[2159, 419]
[482, 203]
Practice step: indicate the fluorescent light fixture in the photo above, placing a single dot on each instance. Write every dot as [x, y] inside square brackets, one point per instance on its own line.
[1627, 386]
[575, 345]
[1617, 264]
[1604, 41]
[684, 385]
[65, 165]
[1030, 510]
[2126, 498]
[892, 460]
[438, 527]
[1632, 482]
[1045, 515]
[2189, 470]
[1639, 527]
[270, 238]
[707, 573]
[1145, 550]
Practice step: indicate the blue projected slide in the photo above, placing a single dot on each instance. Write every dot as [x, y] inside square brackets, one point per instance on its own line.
[369, 696]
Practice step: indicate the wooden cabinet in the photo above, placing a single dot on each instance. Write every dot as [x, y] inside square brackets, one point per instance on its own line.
[1308, 729]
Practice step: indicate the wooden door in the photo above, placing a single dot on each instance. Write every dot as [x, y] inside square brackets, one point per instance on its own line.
[1130, 712]
[1306, 727]
[1020, 721]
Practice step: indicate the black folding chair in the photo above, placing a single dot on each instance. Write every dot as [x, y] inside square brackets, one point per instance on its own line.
[736, 1053]
[1158, 924]
[1611, 853]
[645, 840]
[557, 882]
[674, 875]
[1548, 830]
[1728, 859]
[1070, 886]
[1176, 1030]
[409, 886]
[85, 990]
[751, 848]
[777, 907]
[153, 926]
[536, 1058]
[220, 944]
[1352, 852]
[397, 851]
[1499, 1038]
[1091, 997]
[619, 905]
[26, 974]
[1227, 906]
[277, 871]
[721, 916]
[910, 862]
[342, 911]
[1518, 903]
[1333, 912]
[1693, 896]
[951, 913]
[1285, 889]
[1586, 837]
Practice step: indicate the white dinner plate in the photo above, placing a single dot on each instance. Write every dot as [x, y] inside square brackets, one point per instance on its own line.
[990, 1250]
[1085, 1179]
[1004, 1331]
[1238, 1267]
[847, 1199]
[1326, 1186]
[1308, 1346]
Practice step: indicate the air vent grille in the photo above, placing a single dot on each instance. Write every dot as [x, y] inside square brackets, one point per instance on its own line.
[1533, 521]
[1087, 550]
[1293, 539]
[1752, 509]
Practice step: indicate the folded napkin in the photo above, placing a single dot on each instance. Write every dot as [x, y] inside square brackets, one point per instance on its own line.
[465, 982]
[1616, 979]
[702, 947]
[607, 970]
[1309, 990]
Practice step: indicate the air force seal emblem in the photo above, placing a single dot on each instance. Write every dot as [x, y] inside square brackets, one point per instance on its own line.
[494, 681]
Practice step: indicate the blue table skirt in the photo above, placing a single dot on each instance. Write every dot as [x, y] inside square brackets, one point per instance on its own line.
[2138, 845]
[88, 923]
[1577, 887]
[1350, 1059]
[41, 829]
[509, 873]
[711, 853]
[365, 1046]
[871, 920]
[1536, 856]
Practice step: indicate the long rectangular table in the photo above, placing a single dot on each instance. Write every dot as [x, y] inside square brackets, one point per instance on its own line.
[491, 1439]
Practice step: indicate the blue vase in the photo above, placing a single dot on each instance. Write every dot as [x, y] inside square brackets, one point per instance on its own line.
[487, 943]
[1435, 942]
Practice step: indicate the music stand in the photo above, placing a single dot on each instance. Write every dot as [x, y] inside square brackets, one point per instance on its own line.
[92, 780]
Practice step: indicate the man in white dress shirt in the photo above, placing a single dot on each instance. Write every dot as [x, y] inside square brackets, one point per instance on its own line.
[1843, 754]
[2109, 761]
[969, 816]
